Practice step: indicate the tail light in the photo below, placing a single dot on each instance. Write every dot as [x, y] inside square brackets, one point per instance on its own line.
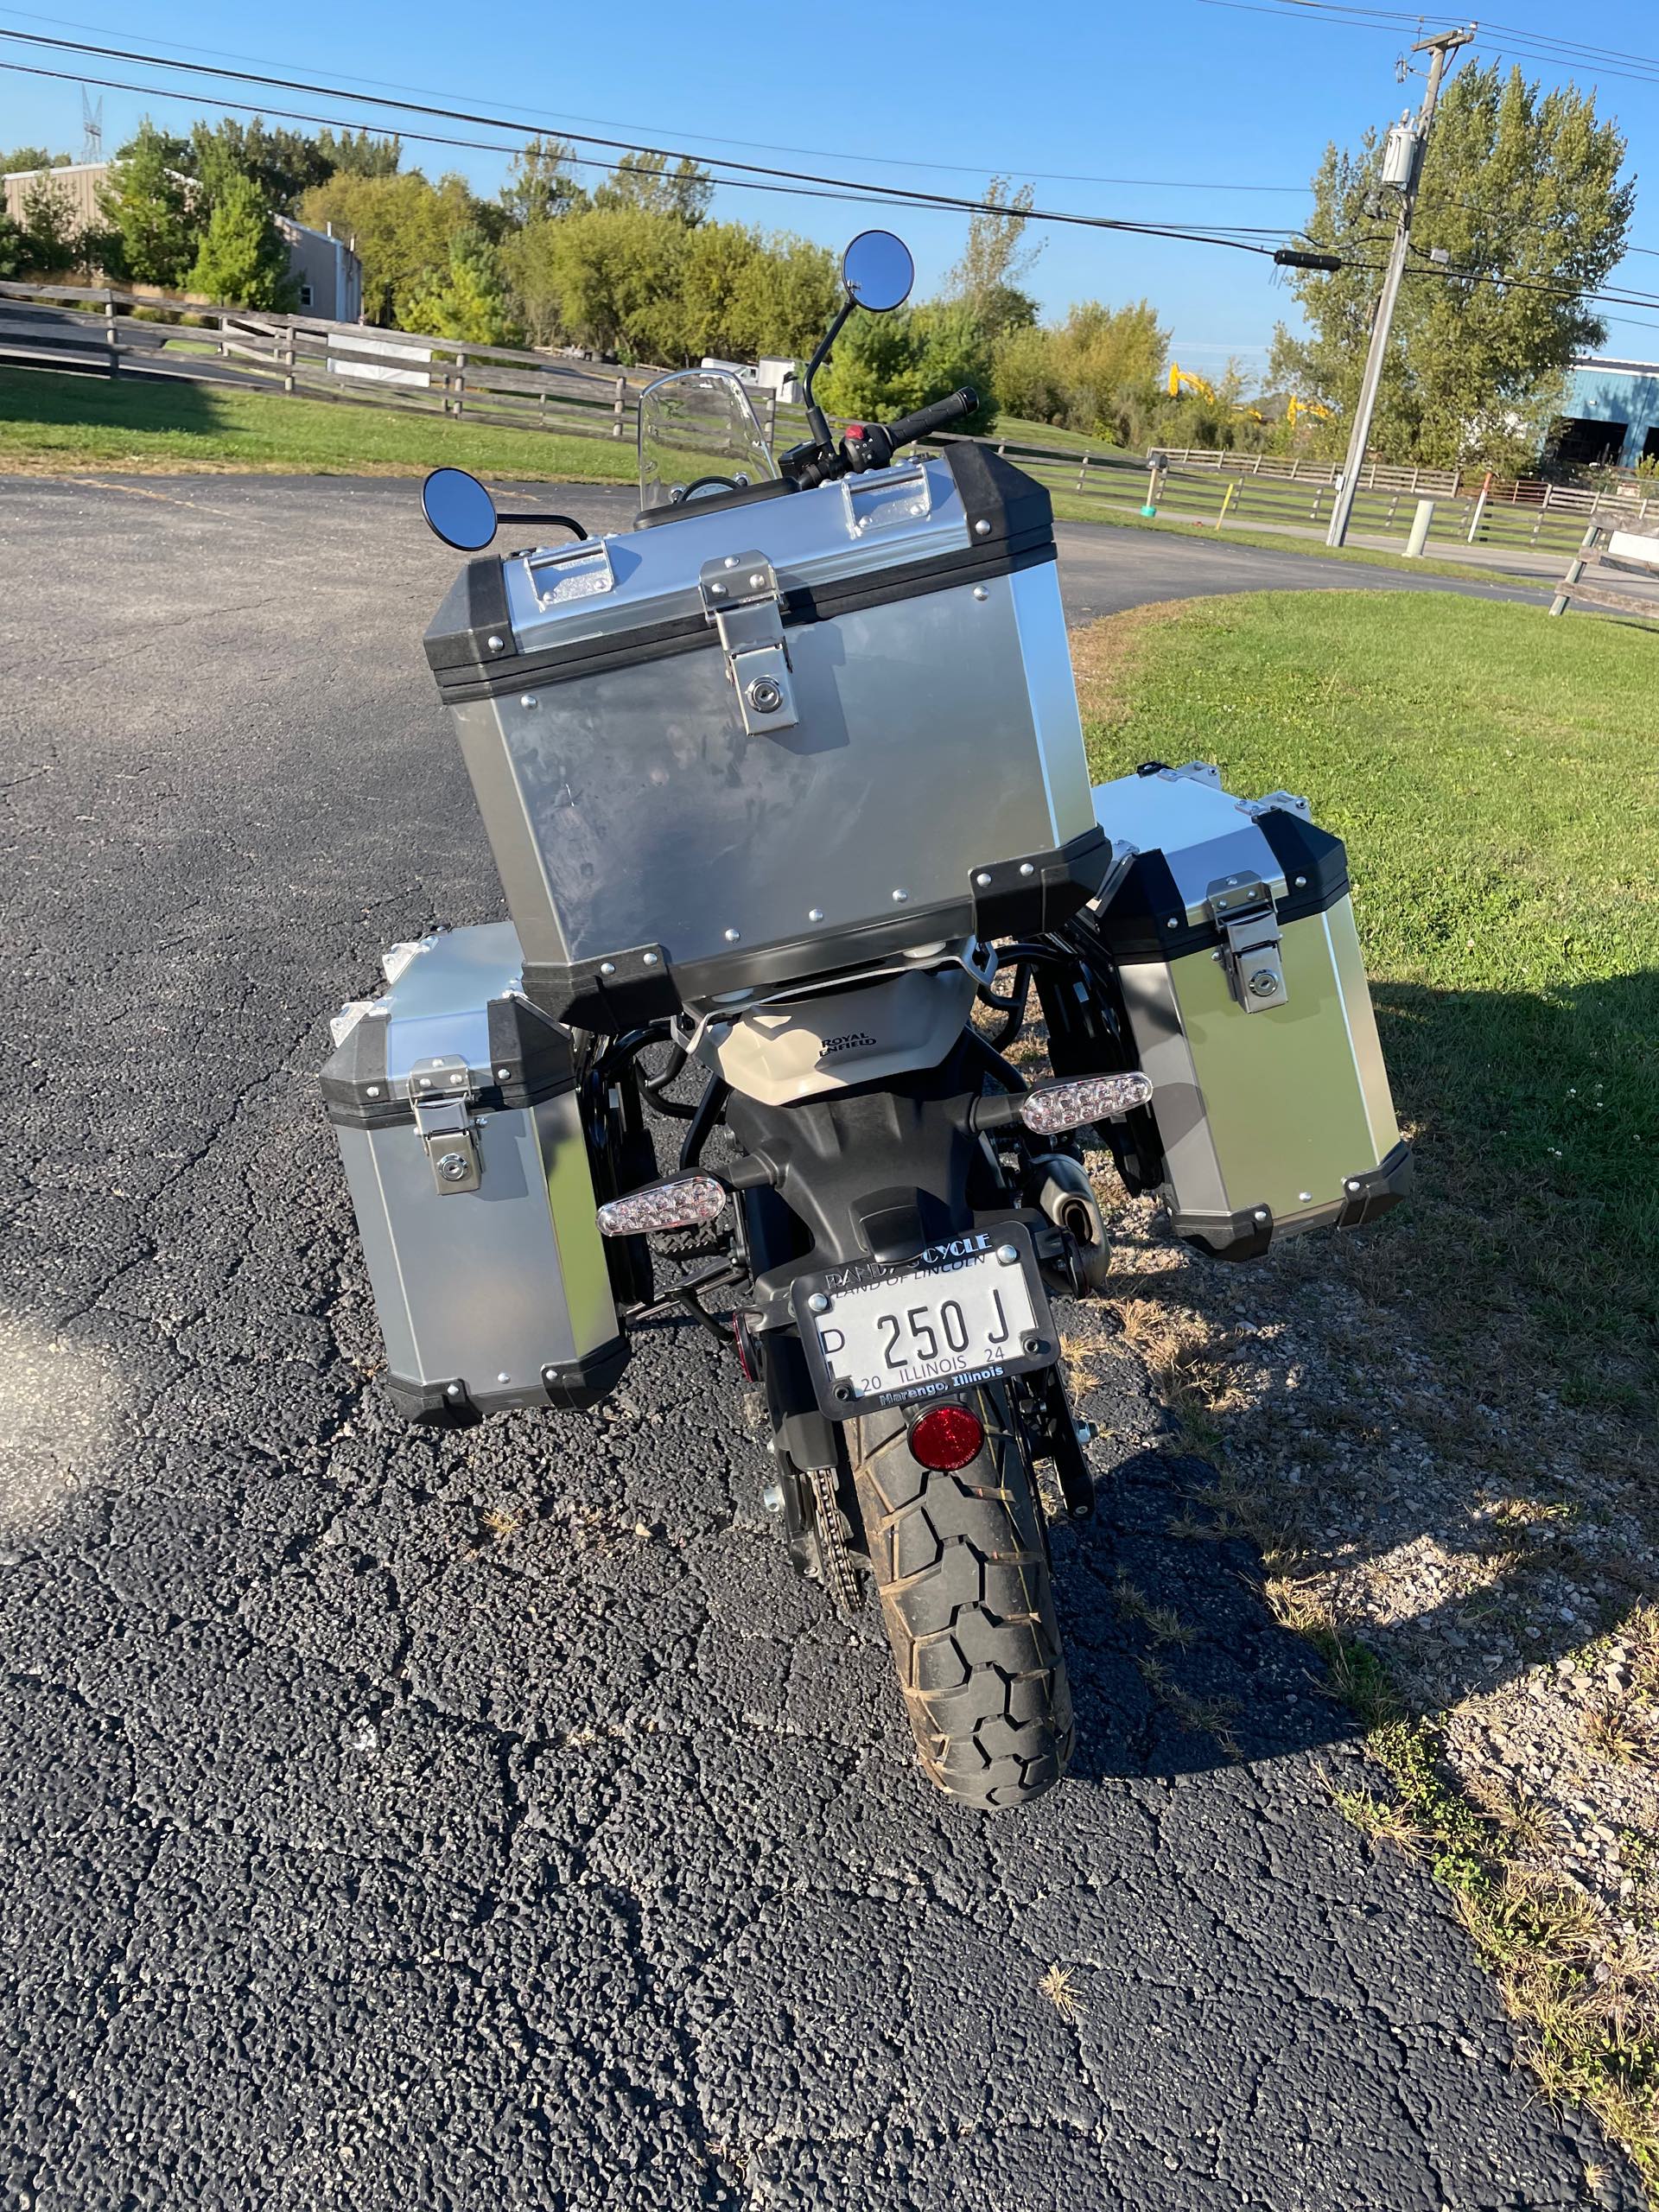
[946, 1438]
[1052, 1108]
[680, 1202]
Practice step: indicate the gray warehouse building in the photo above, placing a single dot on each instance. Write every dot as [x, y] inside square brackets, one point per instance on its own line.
[328, 274]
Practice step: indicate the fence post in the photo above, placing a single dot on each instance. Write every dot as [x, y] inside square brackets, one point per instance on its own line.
[109, 333]
[1480, 509]
[287, 358]
[1082, 473]
[460, 385]
[619, 407]
[1574, 569]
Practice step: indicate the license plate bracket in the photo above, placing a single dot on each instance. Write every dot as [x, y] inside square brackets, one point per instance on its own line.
[969, 1310]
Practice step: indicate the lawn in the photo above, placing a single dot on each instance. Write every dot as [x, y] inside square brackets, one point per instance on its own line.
[1438, 1433]
[51, 421]
[1494, 774]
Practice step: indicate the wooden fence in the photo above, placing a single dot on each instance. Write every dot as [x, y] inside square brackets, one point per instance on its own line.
[121, 333]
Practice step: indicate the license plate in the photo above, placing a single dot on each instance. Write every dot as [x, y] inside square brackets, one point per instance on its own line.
[966, 1313]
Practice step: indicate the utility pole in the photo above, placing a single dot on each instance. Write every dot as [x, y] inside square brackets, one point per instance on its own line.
[1403, 170]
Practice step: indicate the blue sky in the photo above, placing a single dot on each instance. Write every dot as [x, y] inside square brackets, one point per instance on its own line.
[1179, 111]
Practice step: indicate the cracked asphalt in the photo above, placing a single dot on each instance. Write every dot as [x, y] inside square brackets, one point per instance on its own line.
[401, 1821]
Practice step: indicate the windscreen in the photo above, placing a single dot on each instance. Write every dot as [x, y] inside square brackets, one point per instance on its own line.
[698, 434]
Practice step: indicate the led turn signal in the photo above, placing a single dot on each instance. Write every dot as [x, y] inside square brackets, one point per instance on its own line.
[681, 1203]
[1052, 1108]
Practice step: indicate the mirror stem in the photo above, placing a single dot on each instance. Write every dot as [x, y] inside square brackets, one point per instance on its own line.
[816, 422]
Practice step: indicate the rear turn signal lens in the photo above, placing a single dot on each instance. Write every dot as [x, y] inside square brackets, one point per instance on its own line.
[680, 1202]
[946, 1438]
[1052, 1108]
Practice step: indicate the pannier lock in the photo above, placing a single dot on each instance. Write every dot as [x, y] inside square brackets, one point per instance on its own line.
[741, 599]
[1242, 907]
[440, 1092]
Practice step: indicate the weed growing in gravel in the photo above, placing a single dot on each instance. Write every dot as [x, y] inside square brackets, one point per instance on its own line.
[1058, 1986]
[1162, 1622]
[1592, 2032]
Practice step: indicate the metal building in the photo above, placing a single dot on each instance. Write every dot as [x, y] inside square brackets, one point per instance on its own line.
[1610, 415]
[328, 274]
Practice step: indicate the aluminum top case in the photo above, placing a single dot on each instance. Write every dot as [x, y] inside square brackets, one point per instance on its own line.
[774, 734]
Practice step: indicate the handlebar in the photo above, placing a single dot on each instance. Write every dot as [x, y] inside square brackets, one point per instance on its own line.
[910, 427]
[872, 445]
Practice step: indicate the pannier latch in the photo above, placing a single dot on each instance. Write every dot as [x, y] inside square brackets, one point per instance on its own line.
[740, 597]
[1242, 907]
[440, 1092]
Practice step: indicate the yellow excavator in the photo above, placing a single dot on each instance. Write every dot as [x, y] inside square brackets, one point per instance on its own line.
[1295, 407]
[1205, 390]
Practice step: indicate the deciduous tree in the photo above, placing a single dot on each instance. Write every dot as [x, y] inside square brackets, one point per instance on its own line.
[243, 261]
[540, 186]
[153, 211]
[997, 261]
[644, 184]
[401, 227]
[1522, 191]
[468, 298]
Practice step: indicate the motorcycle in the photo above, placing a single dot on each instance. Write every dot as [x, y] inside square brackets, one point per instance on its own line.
[787, 791]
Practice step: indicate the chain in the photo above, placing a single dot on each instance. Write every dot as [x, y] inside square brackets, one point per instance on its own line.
[834, 1564]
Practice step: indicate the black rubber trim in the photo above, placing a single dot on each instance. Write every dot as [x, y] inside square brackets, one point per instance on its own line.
[1010, 503]
[715, 503]
[526, 1042]
[474, 610]
[1303, 850]
[1245, 1236]
[353, 1077]
[1135, 922]
[1378, 1190]
[451, 1403]
[1060, 883]
[465, 680]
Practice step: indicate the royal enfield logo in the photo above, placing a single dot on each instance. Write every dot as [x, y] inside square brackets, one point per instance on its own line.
[854, 1040]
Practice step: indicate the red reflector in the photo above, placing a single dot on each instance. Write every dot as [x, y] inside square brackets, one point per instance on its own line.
[946, 1438]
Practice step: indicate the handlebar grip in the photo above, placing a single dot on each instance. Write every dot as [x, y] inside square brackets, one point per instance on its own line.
[910, 426]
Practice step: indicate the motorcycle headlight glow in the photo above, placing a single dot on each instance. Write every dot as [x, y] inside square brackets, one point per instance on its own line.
[1052, 1108]
[680, 1202]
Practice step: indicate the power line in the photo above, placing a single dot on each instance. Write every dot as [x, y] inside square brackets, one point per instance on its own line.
[770, 178]
[999, 166]
[850, 190]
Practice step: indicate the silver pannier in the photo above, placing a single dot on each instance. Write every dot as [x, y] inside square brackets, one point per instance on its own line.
[1225, 959]
[704, 769]
[455, 1103]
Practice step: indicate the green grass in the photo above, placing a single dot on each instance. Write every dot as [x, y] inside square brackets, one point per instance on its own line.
[1068, 508]
[48, 419]
[1493, 772]
[1021, 431]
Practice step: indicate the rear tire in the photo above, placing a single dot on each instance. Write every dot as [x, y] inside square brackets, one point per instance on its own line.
[960, 1563]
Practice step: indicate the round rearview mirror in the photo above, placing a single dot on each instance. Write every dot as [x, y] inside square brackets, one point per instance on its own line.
[459, 509]
[878, 272]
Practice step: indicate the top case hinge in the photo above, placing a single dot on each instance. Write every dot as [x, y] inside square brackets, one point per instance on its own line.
[741, 599]
[1251, 951]
[440, 1092]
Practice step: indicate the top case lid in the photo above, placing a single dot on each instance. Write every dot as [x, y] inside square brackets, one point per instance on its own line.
[968, 507]
[1178, 838]
[454, 996]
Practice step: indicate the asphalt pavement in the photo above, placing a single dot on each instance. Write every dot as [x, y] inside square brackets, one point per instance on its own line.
[402, 1821]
